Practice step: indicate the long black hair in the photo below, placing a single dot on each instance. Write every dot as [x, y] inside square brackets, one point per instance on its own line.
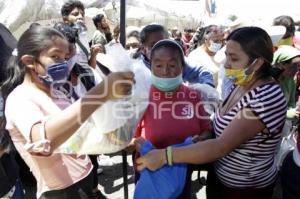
[32, 42]
[7, 43]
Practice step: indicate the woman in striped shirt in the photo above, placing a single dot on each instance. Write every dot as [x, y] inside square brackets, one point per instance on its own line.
[247, 125]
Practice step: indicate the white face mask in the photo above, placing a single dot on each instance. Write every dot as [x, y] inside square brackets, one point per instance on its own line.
[131, 51]
[214, 47]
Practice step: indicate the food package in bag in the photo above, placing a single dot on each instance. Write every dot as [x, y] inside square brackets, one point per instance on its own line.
[111, 127]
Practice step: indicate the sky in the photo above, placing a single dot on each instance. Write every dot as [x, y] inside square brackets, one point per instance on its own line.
[263, 9]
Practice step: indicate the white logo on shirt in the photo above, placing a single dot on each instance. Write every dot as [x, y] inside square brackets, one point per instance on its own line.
[188, 111]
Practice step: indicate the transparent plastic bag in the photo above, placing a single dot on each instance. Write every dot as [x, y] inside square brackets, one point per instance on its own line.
[209, 97]
[288, 142]
[110, 128]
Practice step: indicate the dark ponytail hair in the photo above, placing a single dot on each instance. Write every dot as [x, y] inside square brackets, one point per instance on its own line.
[256, 43]
[32, 42]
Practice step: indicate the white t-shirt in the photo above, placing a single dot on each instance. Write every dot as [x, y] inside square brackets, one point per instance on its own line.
[200, 57]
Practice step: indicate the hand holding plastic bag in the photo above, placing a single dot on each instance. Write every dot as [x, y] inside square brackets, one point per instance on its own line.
[166, 183]
[110, 128]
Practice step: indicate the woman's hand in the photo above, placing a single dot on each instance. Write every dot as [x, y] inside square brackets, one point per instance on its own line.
[207, 134]
[153, 160]
[95, 49]
[135, 144]
[118, 85]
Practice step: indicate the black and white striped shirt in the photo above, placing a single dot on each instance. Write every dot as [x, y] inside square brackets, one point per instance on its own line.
[252, 163]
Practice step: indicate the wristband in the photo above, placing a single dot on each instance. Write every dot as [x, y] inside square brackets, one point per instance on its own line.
[169, 156]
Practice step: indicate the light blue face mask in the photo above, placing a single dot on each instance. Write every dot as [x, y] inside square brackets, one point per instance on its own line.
[166, 84]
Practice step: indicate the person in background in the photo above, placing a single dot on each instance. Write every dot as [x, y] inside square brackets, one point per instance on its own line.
[247, 132]
[78, 85]
[173, 30]
[290, 172]
[286, 63]
[153, 33]
[289, 24]
[296, 40]
[102, 35]
[197, 39]
[116, 35]
[133, 43]
[204, 54]
[187, 37]
[10, 183]
[73, 14]
[178, 38]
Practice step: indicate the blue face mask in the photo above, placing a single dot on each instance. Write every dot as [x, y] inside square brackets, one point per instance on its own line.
[56, 73]
[166, 84]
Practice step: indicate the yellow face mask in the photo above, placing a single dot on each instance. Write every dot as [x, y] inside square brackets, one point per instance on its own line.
[287, 41]
[239, 76]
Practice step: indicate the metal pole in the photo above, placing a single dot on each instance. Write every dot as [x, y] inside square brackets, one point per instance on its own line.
[125, 180]
[123, 40]
[122, 22]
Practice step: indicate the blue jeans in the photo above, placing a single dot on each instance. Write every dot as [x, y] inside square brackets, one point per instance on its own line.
[19, 192]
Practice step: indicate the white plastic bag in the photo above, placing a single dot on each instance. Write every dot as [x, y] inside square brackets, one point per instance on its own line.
[110, 128]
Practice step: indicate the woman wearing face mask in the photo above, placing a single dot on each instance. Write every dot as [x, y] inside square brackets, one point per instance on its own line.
[39, 118]
[204, 55]
[133, 43]
[287, 63]
[80, 83]
[247, 125]
[289, 24]
[175, 111]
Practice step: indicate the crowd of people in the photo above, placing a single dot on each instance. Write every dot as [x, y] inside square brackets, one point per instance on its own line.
[247, 76]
